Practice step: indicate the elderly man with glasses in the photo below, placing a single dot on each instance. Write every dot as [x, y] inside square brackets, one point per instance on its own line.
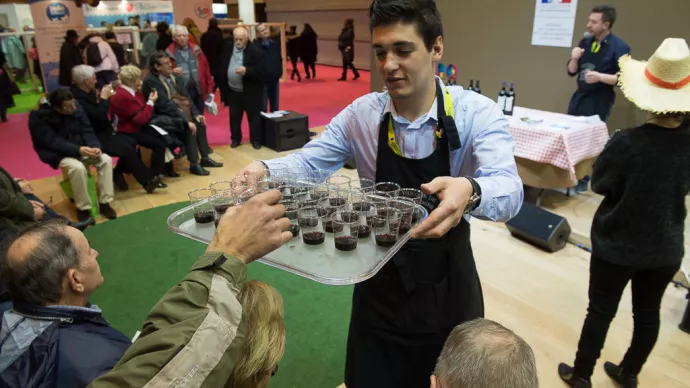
[63, 137]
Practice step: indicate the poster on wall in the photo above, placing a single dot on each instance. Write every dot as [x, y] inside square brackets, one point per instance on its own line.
[200, 11]
[554, 22]
[52, 19]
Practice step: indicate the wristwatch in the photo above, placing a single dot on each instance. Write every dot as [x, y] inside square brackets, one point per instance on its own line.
[475, 198]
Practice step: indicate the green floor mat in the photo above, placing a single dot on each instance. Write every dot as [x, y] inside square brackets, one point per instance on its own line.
[141, 259]
[27, 100]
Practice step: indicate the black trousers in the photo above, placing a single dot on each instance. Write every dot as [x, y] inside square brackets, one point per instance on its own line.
[157, 146]
[50, 214]
[271, 97]
[348, 64]
[198, 143]
[239, 104]
[606, 284]
[125, 148]
[312, 66]
[295, 71]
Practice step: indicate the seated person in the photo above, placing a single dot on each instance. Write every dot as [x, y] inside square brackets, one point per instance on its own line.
[52, 335]
[63, 137]
[134, 113]
[174, 101]
[20, 208]
[114, 144]
[262, 350]
[192, 328]
[483, 354]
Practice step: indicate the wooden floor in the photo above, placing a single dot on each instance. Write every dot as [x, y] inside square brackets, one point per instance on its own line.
[541, 296]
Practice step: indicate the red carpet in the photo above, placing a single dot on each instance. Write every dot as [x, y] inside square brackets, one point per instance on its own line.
[321, 99]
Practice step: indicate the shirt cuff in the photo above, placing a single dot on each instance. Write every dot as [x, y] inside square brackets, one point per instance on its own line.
[150, 103]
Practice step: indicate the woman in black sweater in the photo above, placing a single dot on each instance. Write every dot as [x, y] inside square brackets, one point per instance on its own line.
[637, 232]
[310, 49]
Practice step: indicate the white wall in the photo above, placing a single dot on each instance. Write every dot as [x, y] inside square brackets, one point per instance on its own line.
[23, 16]
[11, 13]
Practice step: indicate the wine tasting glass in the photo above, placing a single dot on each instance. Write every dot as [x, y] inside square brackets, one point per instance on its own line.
[201, 203]
[309, 220]
[346, 230]
[386, 226]
[386, 189]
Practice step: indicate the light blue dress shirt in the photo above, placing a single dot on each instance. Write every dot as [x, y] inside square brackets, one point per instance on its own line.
[486, 153]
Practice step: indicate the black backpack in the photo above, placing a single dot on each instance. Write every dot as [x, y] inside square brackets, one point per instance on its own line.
[93, 55]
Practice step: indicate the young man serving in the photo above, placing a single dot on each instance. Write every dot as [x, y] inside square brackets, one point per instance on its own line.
[456, 147]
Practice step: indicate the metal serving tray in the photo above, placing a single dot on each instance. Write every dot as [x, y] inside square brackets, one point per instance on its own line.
[321, 263]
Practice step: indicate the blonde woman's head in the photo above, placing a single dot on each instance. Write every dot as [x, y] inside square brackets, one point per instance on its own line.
[262, 309]
[130, 76]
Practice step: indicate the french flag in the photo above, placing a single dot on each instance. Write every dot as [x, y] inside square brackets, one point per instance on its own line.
[556, 1]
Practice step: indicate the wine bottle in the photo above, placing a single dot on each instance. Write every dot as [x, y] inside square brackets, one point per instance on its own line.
[510, 100]
[478, 89]
[502, 97]
[471, 85]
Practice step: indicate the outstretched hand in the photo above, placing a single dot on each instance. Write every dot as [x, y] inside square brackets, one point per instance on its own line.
[250, 231]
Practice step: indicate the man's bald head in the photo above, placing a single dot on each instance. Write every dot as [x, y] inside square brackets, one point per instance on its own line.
[36, 261]
[240, 35]
[481, 354]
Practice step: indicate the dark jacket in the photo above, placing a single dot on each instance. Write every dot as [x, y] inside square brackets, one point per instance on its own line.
[252, 81]
[70, 56]
[164, 105]
[272, 59]
[16, 212]
[644, 176]
[57, 136]
[118, 50]
[310, 48]
[164, 40]
[212, 44]
[96, 110]
[347, 39]
[70, 347]
[294, 46]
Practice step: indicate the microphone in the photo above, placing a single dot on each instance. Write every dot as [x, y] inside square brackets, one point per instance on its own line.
[586, 35]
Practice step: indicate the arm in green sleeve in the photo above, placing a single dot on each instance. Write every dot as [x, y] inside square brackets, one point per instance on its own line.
[193, 333]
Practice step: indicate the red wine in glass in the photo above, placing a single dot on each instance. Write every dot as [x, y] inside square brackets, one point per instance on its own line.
[314, 238]
[346, 243]
[386, 240]
[221, 209]
[294, 229]
[364, 231]
[332, 227]
[204, 217]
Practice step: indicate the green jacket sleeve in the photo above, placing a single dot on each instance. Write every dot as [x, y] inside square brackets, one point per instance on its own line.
[192, 337]
[13, 204]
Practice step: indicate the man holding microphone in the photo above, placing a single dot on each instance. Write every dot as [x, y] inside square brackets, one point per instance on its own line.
[595, 63]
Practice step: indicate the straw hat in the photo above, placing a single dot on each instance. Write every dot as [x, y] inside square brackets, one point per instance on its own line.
[661, 85]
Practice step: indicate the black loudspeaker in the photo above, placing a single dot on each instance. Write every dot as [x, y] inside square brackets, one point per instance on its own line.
[540, 227]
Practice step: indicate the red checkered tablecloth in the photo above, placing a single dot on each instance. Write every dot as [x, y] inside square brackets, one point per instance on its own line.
[557, 139]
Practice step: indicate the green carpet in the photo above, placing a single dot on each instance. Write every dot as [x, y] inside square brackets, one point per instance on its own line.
[26, 101]
[141, 259]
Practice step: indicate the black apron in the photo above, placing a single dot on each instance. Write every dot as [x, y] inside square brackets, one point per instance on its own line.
[593, 99]
[402, 316]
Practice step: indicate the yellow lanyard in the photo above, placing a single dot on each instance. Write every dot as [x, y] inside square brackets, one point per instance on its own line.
[448, 101]
[596, 46]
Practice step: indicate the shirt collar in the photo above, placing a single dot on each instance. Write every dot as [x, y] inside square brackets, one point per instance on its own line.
[432, 114]
[127, 88]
